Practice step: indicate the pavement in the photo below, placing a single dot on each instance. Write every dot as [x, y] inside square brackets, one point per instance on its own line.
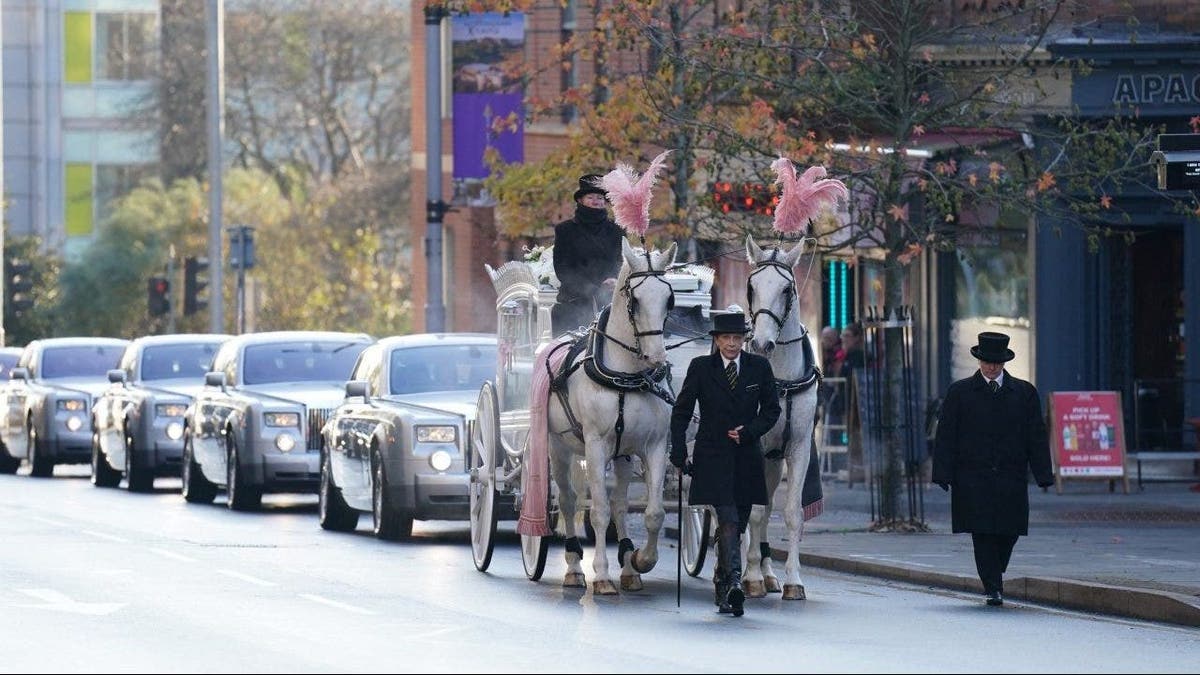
[1133, 555]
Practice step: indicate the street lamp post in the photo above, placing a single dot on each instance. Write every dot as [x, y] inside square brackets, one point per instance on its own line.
[435, 208]
[216, 135]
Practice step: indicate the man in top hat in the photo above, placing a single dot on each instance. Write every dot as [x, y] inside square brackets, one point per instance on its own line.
[587, 258]
[990, 435]
[738, 404]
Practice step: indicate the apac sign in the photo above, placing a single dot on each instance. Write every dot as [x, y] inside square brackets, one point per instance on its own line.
[1160, 91]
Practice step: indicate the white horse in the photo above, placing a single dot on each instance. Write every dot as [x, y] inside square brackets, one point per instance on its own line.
[627, 406]
[782, 338]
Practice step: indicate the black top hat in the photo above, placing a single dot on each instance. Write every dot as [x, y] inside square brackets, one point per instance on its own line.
[729, 322]
[993, 348]
[589, 183]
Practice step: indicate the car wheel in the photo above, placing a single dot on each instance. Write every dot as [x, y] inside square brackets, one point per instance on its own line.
[139, 480]
[103, 475]
[241, 497]
[390, 523]
[333, 511]
[196, 488]
[8, 463]
[40, 466]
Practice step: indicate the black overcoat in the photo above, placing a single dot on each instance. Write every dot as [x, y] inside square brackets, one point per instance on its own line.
[986, 445]
[725, 473]
[587, 250]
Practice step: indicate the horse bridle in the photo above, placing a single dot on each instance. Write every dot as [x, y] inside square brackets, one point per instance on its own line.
[789, 300]
[628, 290]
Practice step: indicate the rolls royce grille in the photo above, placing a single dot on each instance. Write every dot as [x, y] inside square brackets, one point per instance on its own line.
[316, 419]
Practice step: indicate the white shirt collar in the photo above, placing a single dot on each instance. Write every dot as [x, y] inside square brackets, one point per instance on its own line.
[738, 361]
[999, 379]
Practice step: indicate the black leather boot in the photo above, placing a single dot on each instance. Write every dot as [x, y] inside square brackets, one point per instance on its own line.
[731, 561]
[720, 585]
[735, 597]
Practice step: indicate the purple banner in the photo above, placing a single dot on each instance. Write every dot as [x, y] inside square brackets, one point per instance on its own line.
[488, 112]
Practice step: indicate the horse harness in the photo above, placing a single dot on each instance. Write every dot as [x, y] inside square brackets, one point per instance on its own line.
[787, 389]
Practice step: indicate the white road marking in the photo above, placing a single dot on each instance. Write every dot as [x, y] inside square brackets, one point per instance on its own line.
[172, 555]
[59, 602]
[888, 558]
[102, 535]
[335, 603]
[247, 578]
[48, 521]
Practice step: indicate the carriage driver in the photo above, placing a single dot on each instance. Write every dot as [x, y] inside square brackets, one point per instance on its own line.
[738, 404]
[587, 258]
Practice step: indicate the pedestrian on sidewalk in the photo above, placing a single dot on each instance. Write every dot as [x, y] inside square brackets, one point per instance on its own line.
[738, 404]
[990, 435]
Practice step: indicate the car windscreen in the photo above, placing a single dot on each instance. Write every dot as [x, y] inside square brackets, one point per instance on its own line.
[415, 370]
[167, 362]
[308, 361]
[82, 361]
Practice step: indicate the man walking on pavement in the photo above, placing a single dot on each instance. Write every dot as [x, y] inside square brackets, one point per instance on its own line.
[990, 435]
[738, 404]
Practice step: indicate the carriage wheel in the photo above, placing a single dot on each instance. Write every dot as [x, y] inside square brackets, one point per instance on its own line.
[534, 549]
[693, 537]
[481, 466]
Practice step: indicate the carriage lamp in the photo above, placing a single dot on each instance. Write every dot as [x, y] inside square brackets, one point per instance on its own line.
[71, 405]
[170, 409]
[438, 434]
[174, 431]
[440, 460]
[279, 419]
[74, 423]
[285, 442]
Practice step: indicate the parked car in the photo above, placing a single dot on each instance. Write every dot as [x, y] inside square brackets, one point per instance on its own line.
[137, 423]
[8, 361]
[255, 425]
[47, 399]
[394, 448]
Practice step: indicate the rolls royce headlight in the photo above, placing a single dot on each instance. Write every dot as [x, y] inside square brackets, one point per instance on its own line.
[71, 405]
[74, 423]
[174, 431]
[440, 434]
[170, 409]
[440, 460]
[285, 442]
[280, 419]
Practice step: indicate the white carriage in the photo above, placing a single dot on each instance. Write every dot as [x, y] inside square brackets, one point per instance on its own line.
[499, 440]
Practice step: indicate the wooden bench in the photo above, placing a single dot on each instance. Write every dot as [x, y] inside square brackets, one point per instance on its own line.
[1139, 457]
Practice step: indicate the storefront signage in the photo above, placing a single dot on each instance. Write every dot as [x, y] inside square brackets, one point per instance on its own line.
[1152, 91]
[1087, 434]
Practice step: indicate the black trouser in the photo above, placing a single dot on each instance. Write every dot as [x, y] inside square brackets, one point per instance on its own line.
[992, 553]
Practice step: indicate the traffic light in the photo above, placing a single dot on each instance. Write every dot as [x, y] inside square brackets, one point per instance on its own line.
[195, 280]
[18, 285]
[159, 295]
[744, 197]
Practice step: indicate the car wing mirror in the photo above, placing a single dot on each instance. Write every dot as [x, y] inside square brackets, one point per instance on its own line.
[215, 378]
[116, 376]
[19, 374]
[358, 388]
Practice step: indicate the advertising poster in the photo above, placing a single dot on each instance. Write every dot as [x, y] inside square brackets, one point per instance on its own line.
[488, 50]
[1087, 434]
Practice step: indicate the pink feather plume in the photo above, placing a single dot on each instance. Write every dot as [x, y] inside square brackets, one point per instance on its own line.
[803, 197]
[630, 195]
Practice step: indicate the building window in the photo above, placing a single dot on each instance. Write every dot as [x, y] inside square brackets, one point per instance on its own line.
[114, 181]
[125, 46]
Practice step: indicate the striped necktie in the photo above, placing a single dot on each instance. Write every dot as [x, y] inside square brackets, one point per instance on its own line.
[731, 373]
[995, 386]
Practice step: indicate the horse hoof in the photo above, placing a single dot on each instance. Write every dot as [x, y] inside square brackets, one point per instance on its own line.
[754, 589]
[631, 582]
[640, 565]
[574, 580]
[772, 585]
[793, 592]
[603, 588]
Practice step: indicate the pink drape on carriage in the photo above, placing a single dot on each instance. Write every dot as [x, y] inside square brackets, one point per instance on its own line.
[535, 497]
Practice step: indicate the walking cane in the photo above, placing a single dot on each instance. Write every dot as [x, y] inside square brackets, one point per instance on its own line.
[679, 557]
